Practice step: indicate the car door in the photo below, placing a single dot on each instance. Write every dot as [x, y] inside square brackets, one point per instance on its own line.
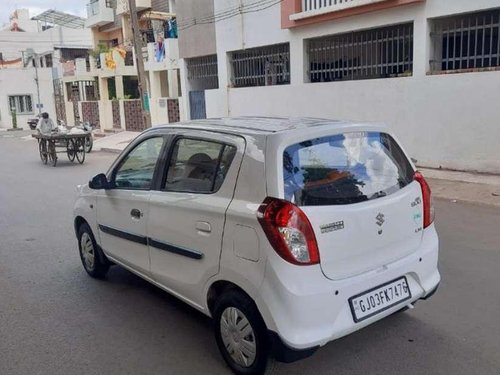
[122, 211]
[187, 213]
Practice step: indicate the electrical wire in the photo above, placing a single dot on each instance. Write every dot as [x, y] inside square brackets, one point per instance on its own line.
[254, 7]
[213, 16]
[269, 5]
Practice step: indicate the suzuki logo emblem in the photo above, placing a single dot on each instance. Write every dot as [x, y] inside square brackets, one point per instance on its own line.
[380, 219]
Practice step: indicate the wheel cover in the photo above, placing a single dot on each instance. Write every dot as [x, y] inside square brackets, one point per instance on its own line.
[238, 337]
[88, 253]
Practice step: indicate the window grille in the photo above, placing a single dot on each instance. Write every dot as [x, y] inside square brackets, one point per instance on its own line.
[466, 42]
[22, 104]
[203, 70]
[262, 66]
[378, 53]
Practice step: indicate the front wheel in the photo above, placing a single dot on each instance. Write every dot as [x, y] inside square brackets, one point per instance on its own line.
[93, 260]
[240, 333]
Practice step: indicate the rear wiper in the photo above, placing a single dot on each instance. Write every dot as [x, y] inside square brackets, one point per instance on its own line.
[379, 194]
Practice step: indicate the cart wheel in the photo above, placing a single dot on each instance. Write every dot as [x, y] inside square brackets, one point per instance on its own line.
[80, 151]
[52, 153]
[71, 150]
[88, 143]
[42, 148]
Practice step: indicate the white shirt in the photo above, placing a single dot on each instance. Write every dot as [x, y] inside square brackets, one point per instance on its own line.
[45, 126]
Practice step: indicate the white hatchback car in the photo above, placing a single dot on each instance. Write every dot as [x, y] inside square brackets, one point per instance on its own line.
[289, 233]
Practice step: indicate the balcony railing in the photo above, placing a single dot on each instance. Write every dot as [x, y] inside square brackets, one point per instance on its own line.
[93, 9]
[100, 12]
[312, 8]
[122, 5]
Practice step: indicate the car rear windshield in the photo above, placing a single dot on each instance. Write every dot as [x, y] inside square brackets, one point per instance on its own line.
[344, 168]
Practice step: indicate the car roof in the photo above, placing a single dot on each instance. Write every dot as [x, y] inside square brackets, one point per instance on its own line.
[258, 125]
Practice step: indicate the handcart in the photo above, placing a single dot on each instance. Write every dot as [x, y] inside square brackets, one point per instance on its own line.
[73, 145]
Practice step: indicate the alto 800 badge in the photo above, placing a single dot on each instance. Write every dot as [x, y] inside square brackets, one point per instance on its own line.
[332, 227]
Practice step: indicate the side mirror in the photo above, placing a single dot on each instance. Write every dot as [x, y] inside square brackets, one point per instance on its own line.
[99, 182]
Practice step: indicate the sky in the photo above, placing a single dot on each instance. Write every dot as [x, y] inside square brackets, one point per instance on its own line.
[76, 7]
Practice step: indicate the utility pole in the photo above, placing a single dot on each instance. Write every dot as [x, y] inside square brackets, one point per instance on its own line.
[143, 91]
[37, 85]
[31, 56]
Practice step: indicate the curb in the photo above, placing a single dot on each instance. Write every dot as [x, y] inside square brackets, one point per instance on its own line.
[112, 150]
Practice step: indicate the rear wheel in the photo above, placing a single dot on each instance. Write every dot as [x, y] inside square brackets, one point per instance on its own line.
[240, 333]
[52, 153]
[88, 144]
[71, 150]
[93, 260]
[80, 150]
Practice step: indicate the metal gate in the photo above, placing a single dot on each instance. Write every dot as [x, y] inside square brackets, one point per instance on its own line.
[197, 105]
[59, 100]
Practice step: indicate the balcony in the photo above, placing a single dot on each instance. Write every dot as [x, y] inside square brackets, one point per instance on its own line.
[80, 69]
[99, 12]
[156, 62]
[113, 63]
[312, 8]
[122, 6]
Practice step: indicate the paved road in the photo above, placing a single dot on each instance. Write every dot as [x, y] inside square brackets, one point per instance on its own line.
[54, 319]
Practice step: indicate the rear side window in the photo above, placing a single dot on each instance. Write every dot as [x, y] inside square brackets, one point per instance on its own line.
[344, 168]
[198, 166]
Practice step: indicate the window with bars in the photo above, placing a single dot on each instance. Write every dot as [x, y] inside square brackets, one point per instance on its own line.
[467, 41]
[378, 53]
[203, 72]
[22, 104]
[261, 66]
[48, 61]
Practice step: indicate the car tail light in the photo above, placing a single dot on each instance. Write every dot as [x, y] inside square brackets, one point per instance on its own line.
[289, 231]
[426, 198]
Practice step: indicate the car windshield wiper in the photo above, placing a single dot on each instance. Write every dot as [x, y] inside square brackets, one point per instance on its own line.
[378, 194]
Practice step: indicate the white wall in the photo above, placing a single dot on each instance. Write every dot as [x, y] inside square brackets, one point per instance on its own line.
[12, 43]
[22, 82]
[443, 120]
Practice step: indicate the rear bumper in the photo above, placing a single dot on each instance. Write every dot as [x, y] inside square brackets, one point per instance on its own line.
[307, 310]
[286, 354]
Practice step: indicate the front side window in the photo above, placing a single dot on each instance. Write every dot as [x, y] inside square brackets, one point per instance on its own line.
[198, 166]
[344, 168]
[136, 170]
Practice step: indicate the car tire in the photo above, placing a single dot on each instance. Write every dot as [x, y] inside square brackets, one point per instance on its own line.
[93, 260]
[241, 333]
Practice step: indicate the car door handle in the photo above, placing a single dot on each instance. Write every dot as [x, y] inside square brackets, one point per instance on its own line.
[135, 213]
[203, 226]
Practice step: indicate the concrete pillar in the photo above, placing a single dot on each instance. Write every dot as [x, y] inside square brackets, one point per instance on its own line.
[154, 91]
[185, 88]
[105, 114]
[173, 83]
[120, 93]
[298, 61]
[155, 84]
[421, 44]
[122, 114]
[103, 89]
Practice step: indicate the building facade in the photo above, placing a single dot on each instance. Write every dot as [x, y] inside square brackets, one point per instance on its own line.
[428, 69]
[33, 52]
[103, 88]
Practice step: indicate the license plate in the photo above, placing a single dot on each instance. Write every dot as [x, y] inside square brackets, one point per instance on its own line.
[382, 297]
